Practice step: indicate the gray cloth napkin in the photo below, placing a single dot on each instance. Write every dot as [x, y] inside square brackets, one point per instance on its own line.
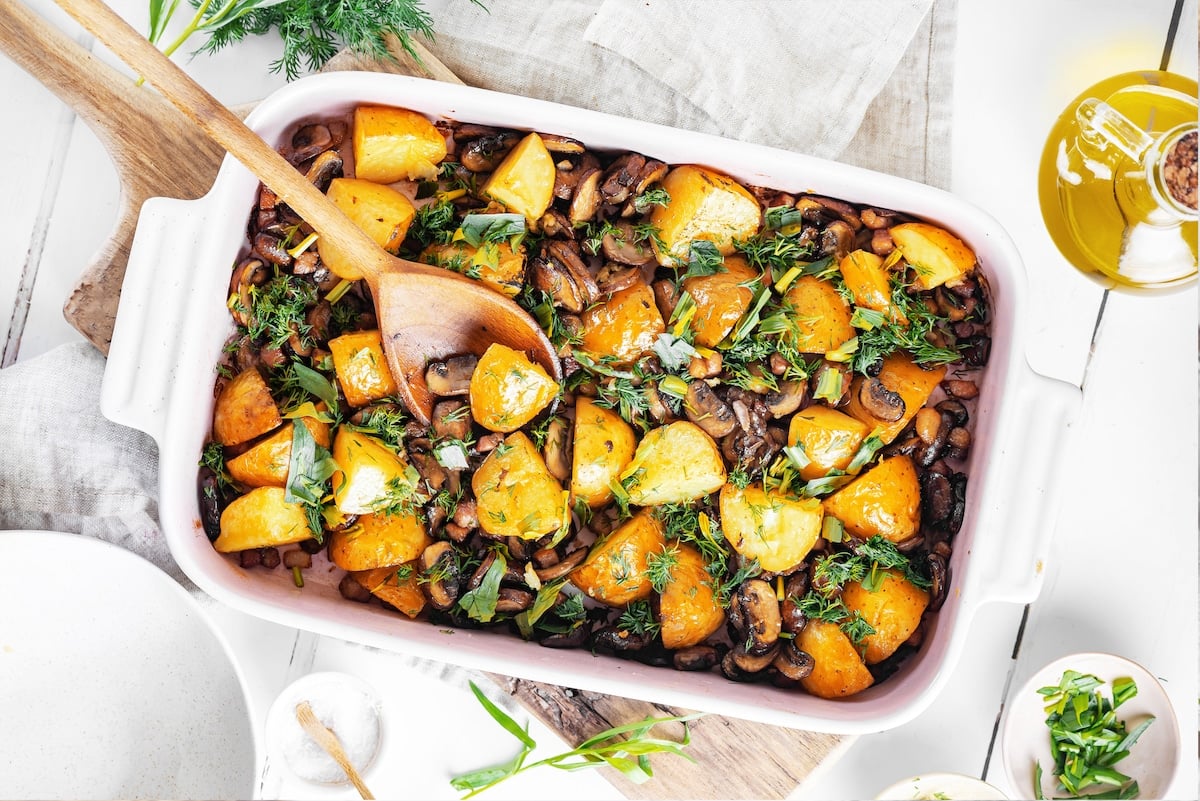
[866, 81]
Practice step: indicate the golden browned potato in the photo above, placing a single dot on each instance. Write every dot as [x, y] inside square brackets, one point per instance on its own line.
[899, 374]
[508, 390]
[371, 476]
[495, 264]
[603, 446]
[705, 205]
[516, 496]
[829, 439]
[361, 367]
[379, 540]
[885, 500]
[615, 570]
[674, 463]
[838, 671]
[265, 464]
[776, 530]
[524, 181]
[894, 610]
[395, 144]
[259, 519]
[688, 611]
[720, 299]
[870, 283]
[382, 212]
[935, 255]
[244, 410]
[822, 316]
[398, 585]
[625, 326]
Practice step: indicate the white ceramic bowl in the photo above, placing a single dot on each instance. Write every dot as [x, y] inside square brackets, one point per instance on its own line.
[173, 322]
[113, 682]
[941, 785]
[1025, 738]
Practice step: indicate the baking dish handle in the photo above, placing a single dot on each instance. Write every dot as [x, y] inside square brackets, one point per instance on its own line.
[139, 379]
[1030, 490]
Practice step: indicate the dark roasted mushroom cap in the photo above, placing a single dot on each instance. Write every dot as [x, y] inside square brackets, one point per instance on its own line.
[880, 401]
[792, 662]
[705, 409]
[755, 619]
[308, 141]
[439, 566]
[451, 377]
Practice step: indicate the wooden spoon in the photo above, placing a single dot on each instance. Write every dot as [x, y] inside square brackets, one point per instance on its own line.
[331, 744]
[425, 313]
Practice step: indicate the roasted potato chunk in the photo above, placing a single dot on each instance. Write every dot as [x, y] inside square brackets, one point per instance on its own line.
[524, 181]
[870, 283]
[893, 609]
[705, 205]
[397, 585]
[936, 256]
[673, 464]
[885, 500]
[265, 464]
[822, 316]
[371, 476]
[378, 540]
[625, 326]
[829, 439]
[721, 299]
[259, 519]
[244, 410]
[508, 390]
[838, 670]
[395, 144]
[495, 263]
[382, 212]
[776, 530]
[603, 446]
[688, 611]
[515, 494]
[615, 570]
[362, 368]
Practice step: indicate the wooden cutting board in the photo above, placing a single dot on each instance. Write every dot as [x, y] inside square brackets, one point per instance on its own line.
[158, 153]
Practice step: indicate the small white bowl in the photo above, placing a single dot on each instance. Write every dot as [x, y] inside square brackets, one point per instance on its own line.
[1154, 759]
[348, 706]
[941, 785]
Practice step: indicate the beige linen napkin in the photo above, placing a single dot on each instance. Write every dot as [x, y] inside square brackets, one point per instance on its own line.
[864, 81]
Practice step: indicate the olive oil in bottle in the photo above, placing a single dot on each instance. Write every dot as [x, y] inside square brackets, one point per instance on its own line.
[1117, 181]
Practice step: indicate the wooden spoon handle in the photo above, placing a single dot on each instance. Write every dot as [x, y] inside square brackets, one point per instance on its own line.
[332, 745]
[225, 128]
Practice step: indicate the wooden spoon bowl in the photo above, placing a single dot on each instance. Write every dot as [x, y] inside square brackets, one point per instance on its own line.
[425, 313]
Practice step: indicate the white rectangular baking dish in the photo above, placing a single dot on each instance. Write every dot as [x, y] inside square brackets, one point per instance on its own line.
[173, 321]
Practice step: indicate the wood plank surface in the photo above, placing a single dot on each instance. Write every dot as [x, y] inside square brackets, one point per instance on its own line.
[734, 758]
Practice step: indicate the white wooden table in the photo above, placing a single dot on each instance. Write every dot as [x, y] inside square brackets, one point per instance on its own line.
[1122, 576]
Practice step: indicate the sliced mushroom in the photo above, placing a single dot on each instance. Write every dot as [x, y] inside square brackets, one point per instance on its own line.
[732, 671]
[555, 224]
[561, 272]
[324, 169]
[432, 473]
[937, 498]
[510, 600]
[705, 366]
[451, 419]
[786, 399]
[557, 450]
[792, 618]
[753, 663]
[614, 277]
[439, 569]
[576, 637]
[939, 575]
[451, 377]
[586, 198]
[485, 153]
[880, 401]
[564, 566]
[705, 409]
[621, 178]
[793, 662]
[250, 273]
[839, 208]
[352, 590]
[695, 658]
[876, 218]
[963, 390]
[755, 617]
[620, 641]
[666, 295]
[466, 513]
[308, 141]
[270, 248]
[837, 240]
[881, 242]
[561, 144]
[622, 245]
